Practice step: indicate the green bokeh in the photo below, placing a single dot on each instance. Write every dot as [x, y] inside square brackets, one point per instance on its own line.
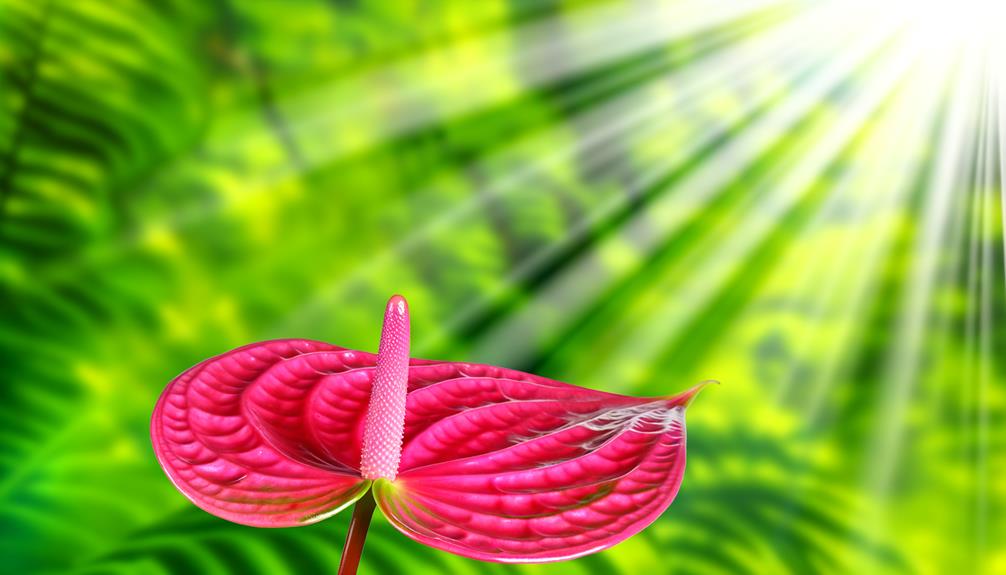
[629, 197]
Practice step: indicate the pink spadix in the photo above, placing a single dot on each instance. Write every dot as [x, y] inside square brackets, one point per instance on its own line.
[385, 425]
[483, 461]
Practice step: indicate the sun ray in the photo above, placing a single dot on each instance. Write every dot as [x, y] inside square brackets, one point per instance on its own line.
[675, 210]
[623, 114]
[598, 35]
[903, 363]
[672, 157]
[666, 321]
[984, 196]
[950, 190]
[628, 112]
[999, 73]
[840, 286]
[828, 311]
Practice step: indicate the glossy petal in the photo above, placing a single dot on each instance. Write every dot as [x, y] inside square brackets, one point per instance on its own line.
[482, 461]
[268, 434]
[500, 465]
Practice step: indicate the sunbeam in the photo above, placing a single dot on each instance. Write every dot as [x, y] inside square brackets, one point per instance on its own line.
[670, 212]
[633, 111]
[595, 36]
[839, 287]
[762, 214]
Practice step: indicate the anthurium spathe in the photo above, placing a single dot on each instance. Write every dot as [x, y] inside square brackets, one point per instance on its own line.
[481, 461]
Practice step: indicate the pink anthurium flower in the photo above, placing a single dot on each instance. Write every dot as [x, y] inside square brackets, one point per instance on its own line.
[481, 461]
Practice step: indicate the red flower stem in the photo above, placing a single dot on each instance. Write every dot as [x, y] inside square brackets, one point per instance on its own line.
[357, 534]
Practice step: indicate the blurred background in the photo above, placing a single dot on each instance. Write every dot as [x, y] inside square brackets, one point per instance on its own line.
[800, 199]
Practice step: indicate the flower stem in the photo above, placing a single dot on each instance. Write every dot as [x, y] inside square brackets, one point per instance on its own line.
[357, 534]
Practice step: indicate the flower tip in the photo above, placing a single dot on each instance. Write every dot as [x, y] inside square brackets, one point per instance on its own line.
[685, 398]
[398, 304]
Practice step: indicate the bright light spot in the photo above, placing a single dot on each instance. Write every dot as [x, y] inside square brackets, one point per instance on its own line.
[957, 22]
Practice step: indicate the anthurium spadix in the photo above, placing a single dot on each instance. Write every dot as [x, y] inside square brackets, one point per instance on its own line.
[481, 461]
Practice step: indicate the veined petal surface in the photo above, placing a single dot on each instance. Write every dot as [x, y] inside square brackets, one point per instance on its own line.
[500, 465]
[267, 434]
[496, 464]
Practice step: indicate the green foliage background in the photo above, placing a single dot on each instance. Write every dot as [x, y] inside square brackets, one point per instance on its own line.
[631, 197]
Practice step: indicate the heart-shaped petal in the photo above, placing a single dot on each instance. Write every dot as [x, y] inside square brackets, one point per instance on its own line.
[482, 461]
[267, 434]
[500, 465]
